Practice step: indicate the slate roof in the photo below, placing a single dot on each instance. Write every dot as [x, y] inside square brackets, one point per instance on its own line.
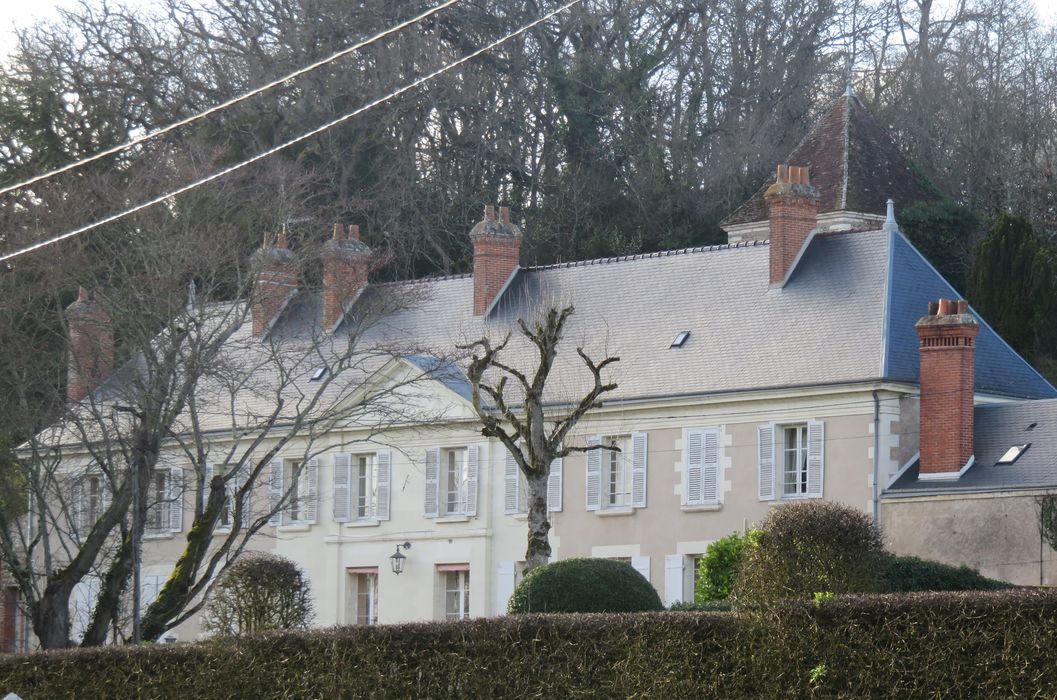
[999, 427]
[845, 315]
[854, 163]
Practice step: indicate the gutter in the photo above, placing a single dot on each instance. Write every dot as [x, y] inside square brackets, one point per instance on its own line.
[876, 456]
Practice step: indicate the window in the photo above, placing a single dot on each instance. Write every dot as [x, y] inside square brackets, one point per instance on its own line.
[616, 474]
[451, 481]
[366, 487]
[93, 500]
[454, 477]
[456, 595]
[1013, 454]
[515, 495]
[794, 460]
[364, 596]
[361, 486]
[791, 460]
[88, 501]
[295, 481]
[701, 460]
[160, 503]
[232, 486]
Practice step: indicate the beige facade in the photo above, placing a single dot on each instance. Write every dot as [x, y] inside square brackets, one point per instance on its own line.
[994, 533]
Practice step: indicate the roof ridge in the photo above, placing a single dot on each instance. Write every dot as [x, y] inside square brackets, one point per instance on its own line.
[644, 256]
[427, 278]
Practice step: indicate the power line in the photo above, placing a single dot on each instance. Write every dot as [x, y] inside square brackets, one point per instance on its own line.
[229, 103]
[307, 135]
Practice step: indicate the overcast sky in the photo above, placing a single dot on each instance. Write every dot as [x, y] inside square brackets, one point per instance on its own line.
[23, 12]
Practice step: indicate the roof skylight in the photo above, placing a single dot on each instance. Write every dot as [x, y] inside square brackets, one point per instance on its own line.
[680, 339]
[1013, 454]
[318, 374]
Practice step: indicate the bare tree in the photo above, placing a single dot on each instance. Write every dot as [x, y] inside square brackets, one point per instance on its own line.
[535, 433]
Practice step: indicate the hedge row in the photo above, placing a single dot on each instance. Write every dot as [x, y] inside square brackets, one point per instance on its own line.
[940, 645]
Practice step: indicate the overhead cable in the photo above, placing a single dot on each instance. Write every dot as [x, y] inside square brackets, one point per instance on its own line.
[224, 105]
[276, 149]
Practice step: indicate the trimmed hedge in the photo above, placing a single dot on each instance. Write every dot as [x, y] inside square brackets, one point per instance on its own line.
[584, 585]
[912, 574]
[936, 645]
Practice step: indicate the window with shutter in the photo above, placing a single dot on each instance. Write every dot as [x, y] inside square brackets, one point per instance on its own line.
[765, 451]
[384, 471]
[816, 448]
[176, 499]
[554, 486]
[511, 485]
[674, 578]
[275, 492]
[342, 487]
[432, 485]
[702, 467]
[617, 473]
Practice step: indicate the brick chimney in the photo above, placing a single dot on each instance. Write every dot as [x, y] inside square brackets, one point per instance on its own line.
[496, 256]
[792, 207]
[345, 266]
[948, 381]
[276, 282]
[91, 358]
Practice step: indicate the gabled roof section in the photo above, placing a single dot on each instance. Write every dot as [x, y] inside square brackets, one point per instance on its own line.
[999, 427]
[854, 163]
[915, 282]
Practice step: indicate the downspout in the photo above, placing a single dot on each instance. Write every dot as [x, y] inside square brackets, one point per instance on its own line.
[876, 456]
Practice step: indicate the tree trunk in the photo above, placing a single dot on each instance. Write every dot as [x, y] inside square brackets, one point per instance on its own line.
[51, 616]
[173, 596]
[539, 546]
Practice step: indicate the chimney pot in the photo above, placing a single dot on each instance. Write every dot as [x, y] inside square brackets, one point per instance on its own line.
[354, 232]
[783, 173]
[489, 212]
[281, 242]
[504, 215]
[339, 232]
[945, 307]
[934, 308]
[963, 306]
[91, 349]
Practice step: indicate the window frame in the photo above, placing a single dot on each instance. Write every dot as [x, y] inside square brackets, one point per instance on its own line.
[461, 590]
[445, 487]
[609, 477]
[799, 450]
[365, 507]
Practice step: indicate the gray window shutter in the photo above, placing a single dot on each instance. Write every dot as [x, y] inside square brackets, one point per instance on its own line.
[432, 481]
[642, 565]
[77, 504]
[511, 484]
[311, 470]
[342, 487]
[765, 441]
[816, 450]
[506, 581]
[554, 486]
[275, 492]
[207, 470]
[594, 474]
[638, 470]
[176, 499]
[383, 465]
[695, 459]
[474, 455]
[242, 475]
[673, 578]
[710, 467]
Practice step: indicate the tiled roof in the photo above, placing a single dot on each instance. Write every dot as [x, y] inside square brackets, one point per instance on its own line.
[854, 163]
[999, 427]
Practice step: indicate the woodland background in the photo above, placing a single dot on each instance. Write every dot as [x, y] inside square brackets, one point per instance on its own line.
[622, 126]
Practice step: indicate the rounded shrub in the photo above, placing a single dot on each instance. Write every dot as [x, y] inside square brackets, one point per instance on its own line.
[259, 592]
[584, 586]
[914, 575]
[810, 547]
[719, 567]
